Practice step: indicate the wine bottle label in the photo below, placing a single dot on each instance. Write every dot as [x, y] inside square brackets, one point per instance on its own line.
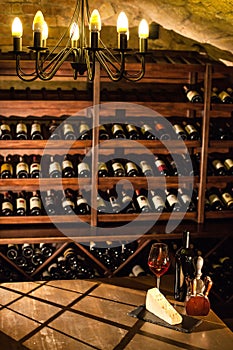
[102, 127]
[102, 166]
[190, 129]
[54, 265]
[83, 128]
[228, 163]
[126, 199]
[7, 206]
[160, 165]
[142, 201]
[83, 167]
[191, 94]
[55, 166]
[116, 127]
[21, 128]
[68, 128]
[223, 94]
[81, 200]
[35, 128]
[159, 126]
[61, 258]
[100, 202]
[145, 166]
[145, 128]
[35, 167]
[228, 199]
[130, 166]
[66, 202]
[172, 199]
[21, 167]
[7, 167]
[217, 164]
[158, 201]
[35, 202]
[178, 128]
[185, 198]
[137, 270]
[5, 127]
[68, 252]
[67, 164]
[213, 198]
[49, 200]
[116, 166]
[21, 203]
[130, 127]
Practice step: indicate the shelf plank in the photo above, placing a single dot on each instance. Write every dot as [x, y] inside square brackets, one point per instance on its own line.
[40, 145]
[224, 214]
[22, 220]
[145, 217]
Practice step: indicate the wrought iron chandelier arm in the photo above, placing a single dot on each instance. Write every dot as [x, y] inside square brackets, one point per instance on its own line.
[103, 59]
[137, 76]
[21, 74]
[90, 65]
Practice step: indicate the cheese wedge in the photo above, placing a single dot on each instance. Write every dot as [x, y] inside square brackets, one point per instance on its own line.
[158, 305]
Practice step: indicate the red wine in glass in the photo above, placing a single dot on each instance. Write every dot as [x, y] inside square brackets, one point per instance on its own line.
[158, 260]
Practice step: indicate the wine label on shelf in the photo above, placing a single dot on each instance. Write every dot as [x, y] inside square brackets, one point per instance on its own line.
[83, 167]
[191, 94]
[160, 165]
[130, 166]
[158, 201]
[145, 166]
[81, 200]
[228, 163]
[35, 128]
[172, 199]
[67, 164]
[7, 167]
[145, 128]
[117, 166]
[228, 199]
[116, 127]
[5, 127]
[66, 202]
[35, 166]
[130, 127]
[83, 128]
[213, 198]
[35, 202]
[22, 166]
[67, 128]
[190, 128]
[7, 205]
[217, 164]
[142, 201]
[21, 127]
[21, 203]
[55, 166]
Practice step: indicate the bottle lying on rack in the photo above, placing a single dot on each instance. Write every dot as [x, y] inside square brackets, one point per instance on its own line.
[5, 131]
[36, 133]
[6, 170]
[21, 132]
[223, 95]
[219, 166]
[192, 94]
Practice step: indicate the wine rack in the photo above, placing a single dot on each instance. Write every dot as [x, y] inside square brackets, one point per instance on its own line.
[161, 90]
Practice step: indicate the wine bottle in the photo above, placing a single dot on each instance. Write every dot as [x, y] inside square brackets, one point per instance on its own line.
[132, 132]
[227, 198]
[131, 169]
[138, 271]
[84, 131]
[228, 164]
[68, 131]
[100, 205]
[5, 131]
[54, 132]
[27, 250]
[21, 132]
[215, 199]
[7, 168]
[118, 131]
[49, 203]
[161, 166]
[218, 167]
[7, 205]
[117, 168]
[192, 95]
[21, 204]
[191, 131]
[12, 251]
[142, 202]
[180, 132]
[67, 167]
[103, 133]
[35, 207]
[37, 257]
[113, 199]
[184, 268]
[187, 202]
[102, 169]
[161, 131]
[128, 205]
[173, 171]
[172, 201]
[83, 169]
[158, 201]
[68, 202]
[36, 133]
[46, 249]
[71, 257]
[146, 168]
[53, 271]
[225, 97]
[82, 207]
[22, 168]
[35, 168]
[54, 168]
[147, 132]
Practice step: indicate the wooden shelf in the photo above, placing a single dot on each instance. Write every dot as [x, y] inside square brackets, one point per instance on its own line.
[224, 214]
[153, 217]
[64, 219]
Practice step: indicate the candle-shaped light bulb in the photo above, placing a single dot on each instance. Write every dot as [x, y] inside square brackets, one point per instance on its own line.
[143, 32]
[17, 32]
[45, 33]
[122, 30]
[74, 34]
[37, 27]
[94, 27]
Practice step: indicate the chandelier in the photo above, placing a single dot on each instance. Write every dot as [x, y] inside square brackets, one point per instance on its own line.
[82, 49]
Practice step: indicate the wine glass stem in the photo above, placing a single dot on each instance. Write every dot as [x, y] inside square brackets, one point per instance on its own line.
[158, 282]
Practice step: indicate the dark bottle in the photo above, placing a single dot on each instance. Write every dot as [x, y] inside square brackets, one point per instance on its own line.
[161, 131]
[46, 249]
[137, 271]
[35, 207]
[83, 169]
[218, 167]
[215, 199]
[103, 133]
[132, 132]
[102, 169]
[49, 203]
[146, 168]
[21, 204]
[61, 263]
[142, 202]
[21, 261]
[7, 168]
[131, 169]
[128, 205]
[12, 251]
[193, 95]
[173, 171]
[180, 132]
[68, 202]
[228, 163]
[27, 250]
[5, 131]
[22, 169]
[67, 167]
[82, 207]
[35, 168]
[227, 198]
[158, 201]
[114, 201]
[118, 168]
[191, 131]
[7, 205]
[71, 257]
[224, 97]
[101, 205]
[161, 166]
[187, 202]
[172, 202]
[184, 268]
[213, 96]
[217, 133]
[37, 257]
[54, 168]
[68, 131]
[36, 133]
[21, 132]
[54, 271]
[147, 132]
[118, 131]
[54, 131]
[84, 131]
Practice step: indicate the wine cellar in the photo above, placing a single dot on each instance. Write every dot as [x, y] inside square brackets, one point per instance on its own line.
[33, 246]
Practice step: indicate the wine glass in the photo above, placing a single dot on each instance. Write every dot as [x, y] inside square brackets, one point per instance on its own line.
[158, 260]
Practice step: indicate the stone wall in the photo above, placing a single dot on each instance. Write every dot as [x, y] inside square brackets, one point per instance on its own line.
[183, 23]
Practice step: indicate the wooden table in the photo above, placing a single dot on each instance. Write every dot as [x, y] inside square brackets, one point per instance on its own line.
[85, 315]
